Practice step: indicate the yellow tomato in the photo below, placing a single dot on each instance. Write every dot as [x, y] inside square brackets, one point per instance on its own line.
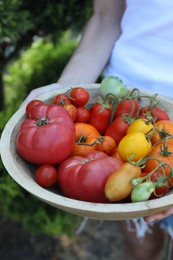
[141, 125]
[135, 145]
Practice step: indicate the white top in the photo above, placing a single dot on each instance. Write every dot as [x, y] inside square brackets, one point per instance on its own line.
[143, 55]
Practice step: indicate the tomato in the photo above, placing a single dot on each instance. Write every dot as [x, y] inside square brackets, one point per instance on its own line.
[126, 107]
[116, 155]
[134, 144]
[46, 175]
[86, 139]
[161, 154]
[154, 113]
[163, 128]
[113, 85]
[100, 116]
[79, 96]
[119, 184]
[142, 191]
[161, 188]
[141, 125]
[48, 136]
[71, 109]
[106, 144]
[117, 130]
[31, 104]
[84, 177]
[83, 114]
[61, 99]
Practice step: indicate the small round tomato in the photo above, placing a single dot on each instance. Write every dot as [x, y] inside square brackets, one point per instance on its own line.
[61, 99]
[86, 139]
[79, 96]
[161, 188]
[135, 145]
[46, 175]
[31, 104]
[106, 144]
[161, 154]
[141, 125]
[163, 128]
[154, 113]
[113, 85]
[83, 114]
[71, 109]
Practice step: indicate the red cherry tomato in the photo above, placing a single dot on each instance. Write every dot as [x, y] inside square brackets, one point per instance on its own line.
[46, 175]
[61, 99]
[155, 112]
[31, 104]
[71, 109]
[83, 114]
[79, 96]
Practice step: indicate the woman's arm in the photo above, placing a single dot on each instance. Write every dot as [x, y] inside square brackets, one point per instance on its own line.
[96, 44]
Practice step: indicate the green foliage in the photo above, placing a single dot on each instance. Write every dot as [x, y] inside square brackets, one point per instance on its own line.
[39, 65]
[35, 215]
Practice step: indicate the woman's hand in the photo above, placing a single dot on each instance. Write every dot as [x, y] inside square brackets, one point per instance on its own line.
[39, 91]
[159, 216]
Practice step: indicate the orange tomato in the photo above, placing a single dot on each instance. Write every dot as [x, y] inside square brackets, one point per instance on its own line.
[86, 139]
[106, 144]
[160, 153]
[163, 128]
[71, 109]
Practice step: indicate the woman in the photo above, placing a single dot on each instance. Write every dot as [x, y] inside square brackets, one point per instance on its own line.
[131, 40]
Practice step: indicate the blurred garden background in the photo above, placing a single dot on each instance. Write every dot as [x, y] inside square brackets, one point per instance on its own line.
[37, 39]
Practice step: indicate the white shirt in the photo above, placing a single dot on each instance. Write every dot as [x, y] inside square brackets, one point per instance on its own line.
[143, 55]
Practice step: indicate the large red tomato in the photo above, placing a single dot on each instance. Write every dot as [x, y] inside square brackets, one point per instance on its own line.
[47, 136]
[84, 177]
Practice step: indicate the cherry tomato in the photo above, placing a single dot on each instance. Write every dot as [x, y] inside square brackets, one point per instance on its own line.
[161, 154]
[83, 114]
[163, 128]
[61, 99]
[117, 130]
[161, 189]
[100, 116]
[79, 96]
[46, 175]
[126, 107]
[86, 139]
[31, 104]
[106, 144]
[134, 144]
[71, 109]
[154, 113]
[113, 85]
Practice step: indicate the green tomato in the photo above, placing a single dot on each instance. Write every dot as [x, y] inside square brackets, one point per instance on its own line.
[113, 85]
[142, 191]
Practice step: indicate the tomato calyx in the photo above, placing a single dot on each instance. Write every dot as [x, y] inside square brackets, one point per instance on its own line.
[42, 121]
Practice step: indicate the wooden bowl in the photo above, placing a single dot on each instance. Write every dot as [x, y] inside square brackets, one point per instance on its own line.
[22, 172]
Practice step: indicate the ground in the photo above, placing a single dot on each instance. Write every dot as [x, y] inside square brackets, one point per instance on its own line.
[98, 240]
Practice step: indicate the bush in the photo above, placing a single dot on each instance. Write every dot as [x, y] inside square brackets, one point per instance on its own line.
[39, 65]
